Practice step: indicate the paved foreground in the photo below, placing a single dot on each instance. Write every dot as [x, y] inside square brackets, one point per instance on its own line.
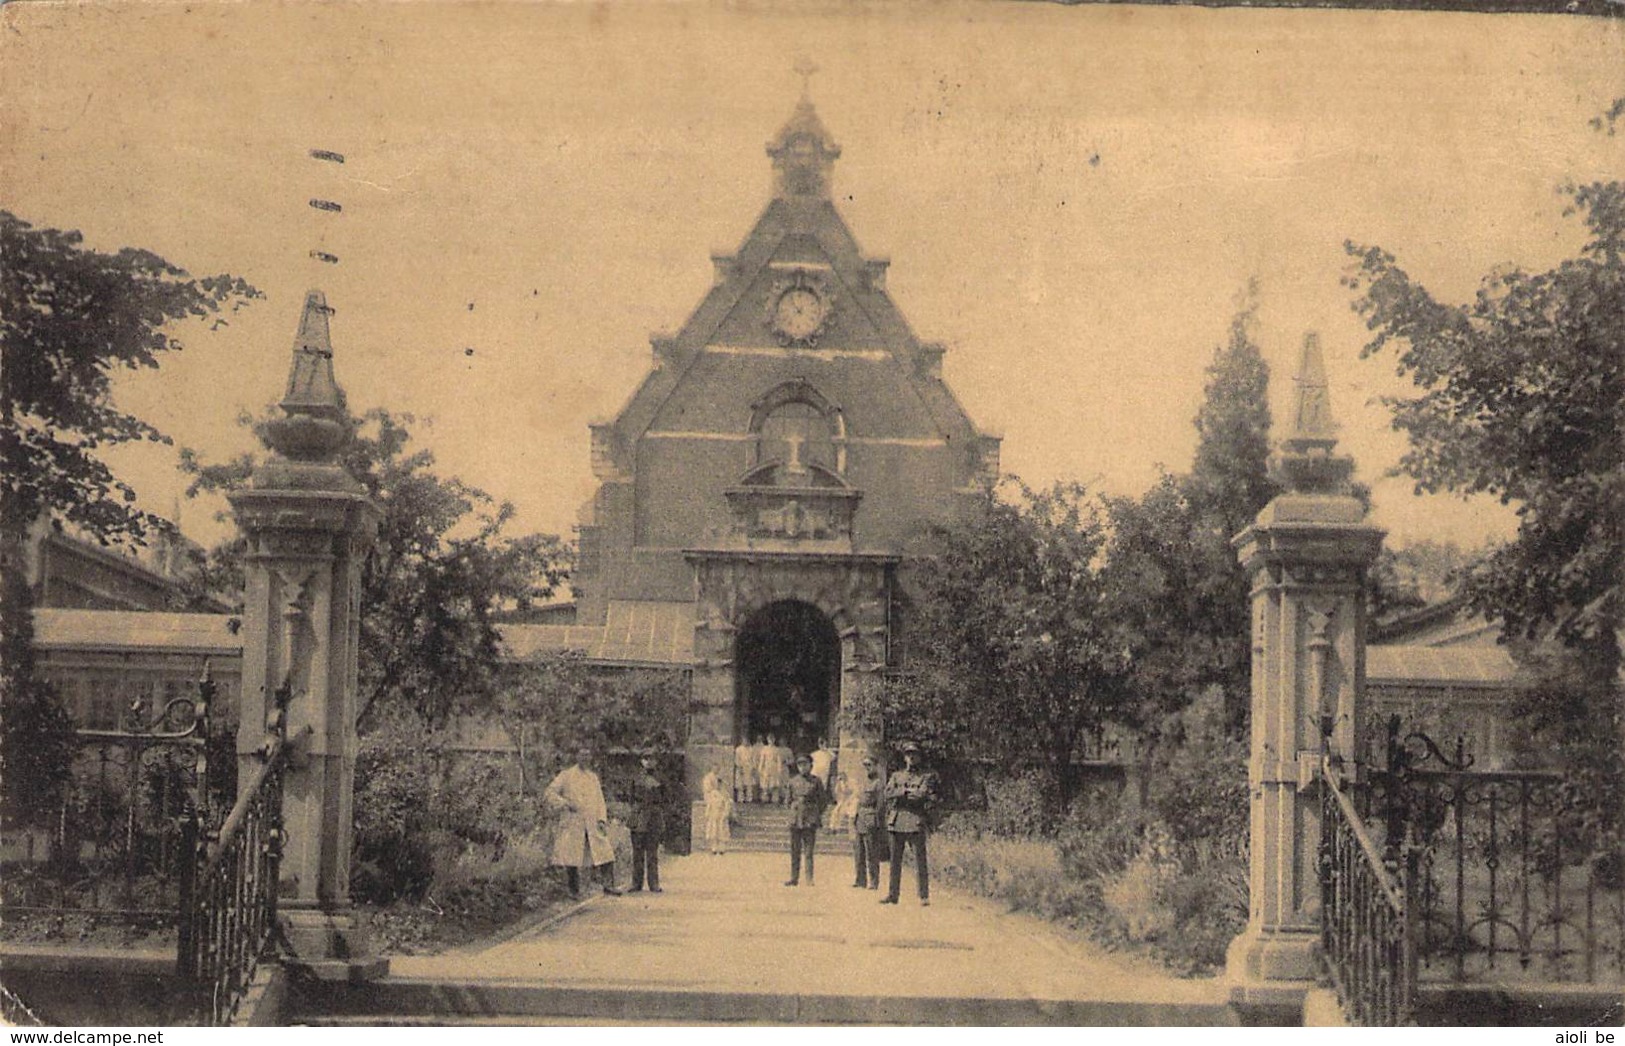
[727, 926]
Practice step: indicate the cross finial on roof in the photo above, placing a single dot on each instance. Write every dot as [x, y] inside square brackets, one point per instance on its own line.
[805, 67]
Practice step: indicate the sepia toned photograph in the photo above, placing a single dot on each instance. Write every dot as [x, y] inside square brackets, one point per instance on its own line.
[957, 514]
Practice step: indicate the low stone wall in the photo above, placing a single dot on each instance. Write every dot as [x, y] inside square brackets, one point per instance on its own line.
[62, 988]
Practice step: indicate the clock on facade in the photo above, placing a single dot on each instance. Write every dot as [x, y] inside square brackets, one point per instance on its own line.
[798, 311]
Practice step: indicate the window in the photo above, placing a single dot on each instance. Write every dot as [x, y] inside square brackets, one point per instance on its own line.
[798, 428]
[797, 435]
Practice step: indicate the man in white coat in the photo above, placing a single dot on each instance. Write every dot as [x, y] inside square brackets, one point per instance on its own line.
[583, 831]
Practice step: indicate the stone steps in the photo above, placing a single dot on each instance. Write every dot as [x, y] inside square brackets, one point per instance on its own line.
[407, 1002]
[764, 828]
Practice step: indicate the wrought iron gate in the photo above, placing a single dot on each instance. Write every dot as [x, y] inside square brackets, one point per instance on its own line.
[1433, 872]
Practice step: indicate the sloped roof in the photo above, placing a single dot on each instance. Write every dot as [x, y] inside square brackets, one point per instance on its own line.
[1440, 666]
[635, 632]
[146, 630]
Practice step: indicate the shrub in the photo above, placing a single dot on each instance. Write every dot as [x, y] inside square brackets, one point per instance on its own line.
[1209, 908]
[1171, 879]
[1025, 874]
[423, 808]
[1098, 841]
[1137, 895]
[1017, 806]
[394, 793]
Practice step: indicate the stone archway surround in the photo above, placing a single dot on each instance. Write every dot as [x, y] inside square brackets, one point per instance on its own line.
[853, 591]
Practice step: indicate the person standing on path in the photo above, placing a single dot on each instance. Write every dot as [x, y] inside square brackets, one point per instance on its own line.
[868, 827]
[719, 811]
[648, 825]
[770, 770]
[843, 802]
[583, 831]
[744, 770]
[911, 795]
[785, 759]
[807, 800]
[823, 761]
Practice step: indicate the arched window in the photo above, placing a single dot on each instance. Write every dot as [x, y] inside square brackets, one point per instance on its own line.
[797, 428]
[796, 435]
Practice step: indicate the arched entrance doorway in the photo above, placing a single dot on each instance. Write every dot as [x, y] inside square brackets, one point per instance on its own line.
[788, 674]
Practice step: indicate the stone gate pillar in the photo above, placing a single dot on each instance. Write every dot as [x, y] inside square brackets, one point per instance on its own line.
[309, 525]
[1307, 555]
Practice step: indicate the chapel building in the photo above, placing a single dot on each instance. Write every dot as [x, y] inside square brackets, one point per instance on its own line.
[762, 490]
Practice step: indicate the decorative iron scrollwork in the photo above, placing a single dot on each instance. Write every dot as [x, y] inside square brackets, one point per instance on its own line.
[1516, 873]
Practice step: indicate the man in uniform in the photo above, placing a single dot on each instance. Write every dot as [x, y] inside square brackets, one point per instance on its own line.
[648, 825]
[807, 799]
[911, 793]
[868, 831]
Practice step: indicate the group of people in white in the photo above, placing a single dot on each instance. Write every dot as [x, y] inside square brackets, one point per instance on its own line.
[763, 772]
[763, 768]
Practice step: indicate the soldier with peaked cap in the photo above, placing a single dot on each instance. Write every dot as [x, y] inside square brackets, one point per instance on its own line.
[807, 801]
[911, 796]
[583, 830]
[648, 825]
[869, 839]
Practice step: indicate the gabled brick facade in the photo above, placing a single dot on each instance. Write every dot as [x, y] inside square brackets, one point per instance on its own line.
[693, 429]
[789, 447]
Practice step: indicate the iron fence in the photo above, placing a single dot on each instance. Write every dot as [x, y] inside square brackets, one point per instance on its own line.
[1520, 875]
[115, 849]
[228, 902]
[1366, 929]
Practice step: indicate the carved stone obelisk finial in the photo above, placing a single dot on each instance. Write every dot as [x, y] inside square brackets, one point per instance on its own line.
[1307, 553]
[309, 526]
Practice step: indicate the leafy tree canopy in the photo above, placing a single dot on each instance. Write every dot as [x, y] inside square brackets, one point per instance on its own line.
[444, 567]
[1229, 481]
[1522, 396]
[1015, 656]
[1177, 584]
[553, 705]
[70, 318]
[1419, 575]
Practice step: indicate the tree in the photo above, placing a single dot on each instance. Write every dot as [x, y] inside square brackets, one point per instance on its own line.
[1419, 575]
[551, 706]
[36, 734]
[1013, 658]
[1522, 396]
[1229, 482]
[1176, 581]
[1164, 564]
[70, 319]
[444, 566]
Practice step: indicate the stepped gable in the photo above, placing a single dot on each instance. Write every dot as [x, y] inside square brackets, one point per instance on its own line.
[799, 231]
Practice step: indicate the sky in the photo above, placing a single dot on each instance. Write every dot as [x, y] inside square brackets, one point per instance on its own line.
[1071, 198]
